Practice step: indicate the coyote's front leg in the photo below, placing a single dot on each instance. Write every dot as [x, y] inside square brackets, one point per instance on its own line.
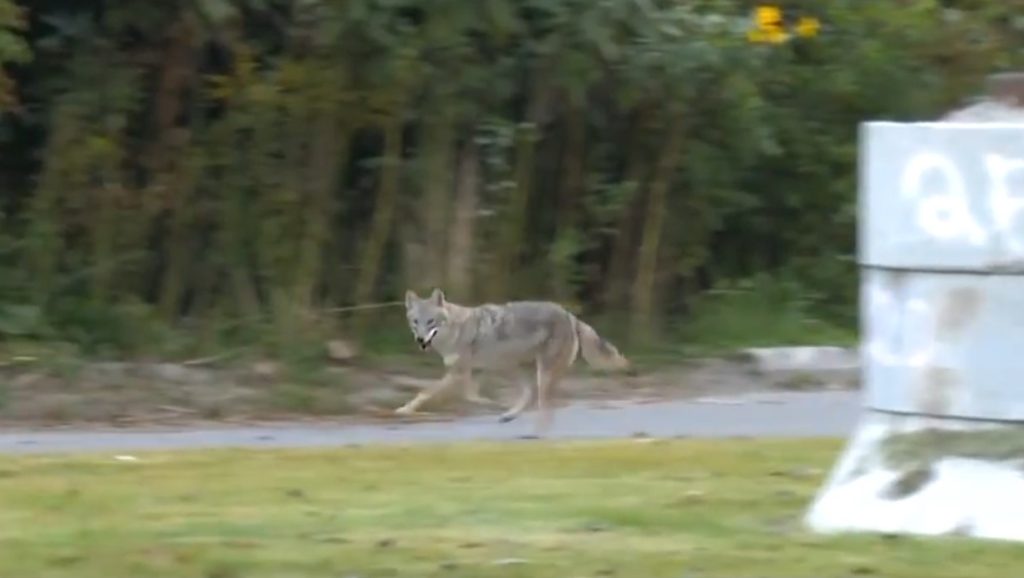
[471, 392]
[450, 377]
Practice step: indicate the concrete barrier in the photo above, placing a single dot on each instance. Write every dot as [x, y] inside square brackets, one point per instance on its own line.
[940, 447]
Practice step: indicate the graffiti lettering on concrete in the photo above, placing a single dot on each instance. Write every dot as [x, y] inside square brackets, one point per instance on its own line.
[945, 209]
[1004, 204]
[900, 327]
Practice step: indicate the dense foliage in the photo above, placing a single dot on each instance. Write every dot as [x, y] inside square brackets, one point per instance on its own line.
[222, 165]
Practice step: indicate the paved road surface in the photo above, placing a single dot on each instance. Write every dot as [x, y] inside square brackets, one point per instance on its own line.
[831, 413]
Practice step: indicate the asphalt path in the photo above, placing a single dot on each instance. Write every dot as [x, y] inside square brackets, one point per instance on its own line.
[770, 414]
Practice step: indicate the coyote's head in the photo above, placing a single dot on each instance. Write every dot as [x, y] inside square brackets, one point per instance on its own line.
[426, 316]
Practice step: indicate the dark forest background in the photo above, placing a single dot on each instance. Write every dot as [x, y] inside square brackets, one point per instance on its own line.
[181, 176]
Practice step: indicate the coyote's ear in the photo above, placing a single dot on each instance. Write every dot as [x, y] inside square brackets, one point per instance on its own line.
[437, 297]
[410, 297]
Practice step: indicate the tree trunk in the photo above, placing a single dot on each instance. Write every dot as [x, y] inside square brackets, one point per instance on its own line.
[46, 237]
[105, 226]
[515, 215]
[328, 155]
[383, 215]
[179, 245]
[173, 172]
[650, 244]
[619, 273]
[243, 297]
[439, 157]
[515, 212]
[571, 189]
[177, 73]
[460, 254]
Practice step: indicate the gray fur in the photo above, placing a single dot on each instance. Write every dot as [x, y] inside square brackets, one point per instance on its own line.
[506, 339]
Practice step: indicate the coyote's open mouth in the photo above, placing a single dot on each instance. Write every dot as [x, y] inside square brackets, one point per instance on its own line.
[425, 343]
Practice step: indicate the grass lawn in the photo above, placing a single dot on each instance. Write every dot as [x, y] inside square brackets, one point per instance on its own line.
[626, 509]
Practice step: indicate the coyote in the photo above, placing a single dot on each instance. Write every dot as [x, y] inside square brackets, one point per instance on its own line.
[505, 339]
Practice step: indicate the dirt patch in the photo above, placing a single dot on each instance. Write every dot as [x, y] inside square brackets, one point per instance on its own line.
[909, 483]
[1000, 443]
[123, 394]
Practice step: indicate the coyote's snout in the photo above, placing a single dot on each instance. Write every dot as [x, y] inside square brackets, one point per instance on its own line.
[506, 339]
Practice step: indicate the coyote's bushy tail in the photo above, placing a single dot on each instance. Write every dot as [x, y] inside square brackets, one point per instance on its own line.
[598, 352]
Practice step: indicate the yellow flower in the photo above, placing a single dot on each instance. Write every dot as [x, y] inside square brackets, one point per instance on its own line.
[769, 18]
[807, 26]
[778, 36]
